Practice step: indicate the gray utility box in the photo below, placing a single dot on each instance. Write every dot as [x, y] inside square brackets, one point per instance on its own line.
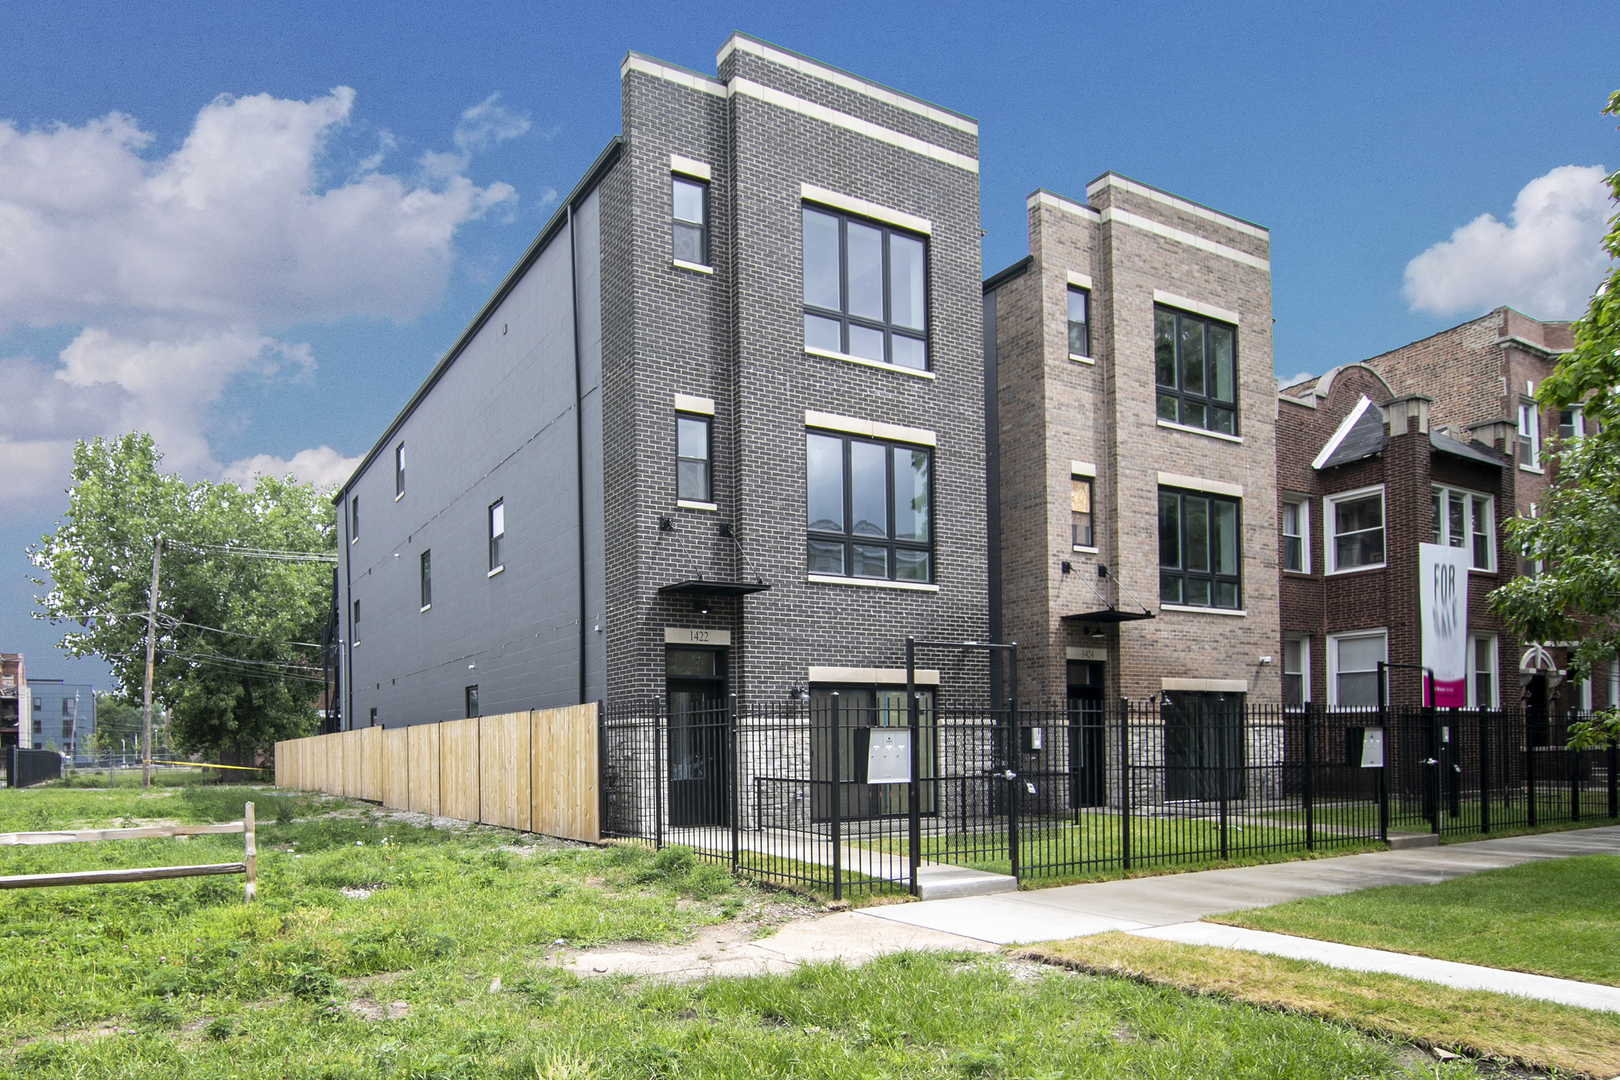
[882, 755]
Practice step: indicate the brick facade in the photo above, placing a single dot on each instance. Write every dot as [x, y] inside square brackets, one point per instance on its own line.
[1141, 250]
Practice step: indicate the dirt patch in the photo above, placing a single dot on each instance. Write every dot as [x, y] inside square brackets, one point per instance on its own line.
[372, 1010]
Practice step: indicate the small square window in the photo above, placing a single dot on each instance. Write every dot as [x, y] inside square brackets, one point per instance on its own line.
[497, 534]
[427, 580]
[690, 221]
[692, 478]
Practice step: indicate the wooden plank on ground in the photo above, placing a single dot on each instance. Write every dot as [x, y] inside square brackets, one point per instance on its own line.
[564, 775]
[396, 765]
[504, 770]
[108, 877]
[422, 747]
[145, 832]
[458, 769]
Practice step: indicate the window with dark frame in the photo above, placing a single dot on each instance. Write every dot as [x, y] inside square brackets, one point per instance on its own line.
[1293, 535]
[497, 533]
[373, 718]
[399, 470]
[427, 580]
[1199, 549]
[354, 519]
[355, 633]
[1080, 493]
[869, 508]
[865, 289]
[1079, 324]
[692, 458]
[472, 701]
[1195, 364]
[689, 204]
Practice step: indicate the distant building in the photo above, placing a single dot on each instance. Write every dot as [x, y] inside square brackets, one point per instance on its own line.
[63, 716]
[13, 700]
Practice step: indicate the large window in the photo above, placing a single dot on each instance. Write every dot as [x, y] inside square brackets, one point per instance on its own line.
[692, 459]
[869, 508]
[1353, 669]
[1196, 370]
[1529, 435]
[1482, 684]
[1355, 530]
[1080, 493]
[1296, 669]
[497, 535]
[427, 580]
[689, 202]
[1463, 519]
[1198, 549]
[1079, 324]
[1295, 528]
[865, 290]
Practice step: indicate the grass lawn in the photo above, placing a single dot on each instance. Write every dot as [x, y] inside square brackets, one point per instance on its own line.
[1560, 917]
[1481, 1024]
[383, 946]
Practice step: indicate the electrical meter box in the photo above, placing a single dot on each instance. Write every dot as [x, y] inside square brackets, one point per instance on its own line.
[882, 755]
[1364, 747]
[1030, 737]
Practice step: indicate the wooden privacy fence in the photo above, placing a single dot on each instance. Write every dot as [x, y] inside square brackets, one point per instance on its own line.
[248, 866]
[535, 771]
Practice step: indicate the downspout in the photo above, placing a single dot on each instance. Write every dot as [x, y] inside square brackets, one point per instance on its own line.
[346, 646]
[579, 454]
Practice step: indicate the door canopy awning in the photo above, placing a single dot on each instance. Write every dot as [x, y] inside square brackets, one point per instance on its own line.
[1108, 615]
[701, 586]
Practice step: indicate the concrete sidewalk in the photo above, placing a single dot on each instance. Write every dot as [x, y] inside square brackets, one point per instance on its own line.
[1140, 903]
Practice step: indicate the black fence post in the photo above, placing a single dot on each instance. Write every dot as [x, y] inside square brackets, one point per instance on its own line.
[1223, 732]
[658, 736]
[1389, 745]
[1485, 771]
[1574, 779]
[1614, 787]
[1310, 780]
[736, 786]
[1125, 783]
[913, 787]
[837, 805]
[1013, 782]
[1530, 778]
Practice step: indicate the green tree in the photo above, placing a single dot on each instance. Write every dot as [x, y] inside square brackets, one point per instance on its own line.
[235, 665]
[1577, 533]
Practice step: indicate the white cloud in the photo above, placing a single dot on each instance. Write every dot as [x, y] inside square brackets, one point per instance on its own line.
[1545, 263]
[232, 225]
[171, 269]
[324, 467]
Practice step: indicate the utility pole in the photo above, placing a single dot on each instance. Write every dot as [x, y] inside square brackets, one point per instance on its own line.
[151, 644]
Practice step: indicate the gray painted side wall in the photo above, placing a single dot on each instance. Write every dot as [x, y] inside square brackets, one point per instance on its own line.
[501, 423]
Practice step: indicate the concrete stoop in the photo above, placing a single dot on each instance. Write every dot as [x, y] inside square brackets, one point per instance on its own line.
[949, 882]
[1400, 841]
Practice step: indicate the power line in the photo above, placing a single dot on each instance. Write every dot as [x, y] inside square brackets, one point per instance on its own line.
[264, 553]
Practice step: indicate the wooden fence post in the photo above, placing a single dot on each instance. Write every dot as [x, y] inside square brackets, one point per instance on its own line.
[250, 852]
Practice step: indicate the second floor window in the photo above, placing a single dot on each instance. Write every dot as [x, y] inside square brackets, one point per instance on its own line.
[690, 226]
[427, 580]
[1529, 435]
[1079, 325]
[692, 459]
[1571, 423]
[865, 290]
[1356, 530]
[1080, 491]
[1198, 550]
[1293, 535]
[497, 534]
[1195, 364]
[869, 508]
[1463, 519]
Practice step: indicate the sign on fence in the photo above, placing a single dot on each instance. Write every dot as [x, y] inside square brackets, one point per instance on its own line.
[1443, 609]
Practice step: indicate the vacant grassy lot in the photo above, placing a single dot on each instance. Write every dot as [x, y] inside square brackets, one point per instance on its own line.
[1560, 918]
[385, 947]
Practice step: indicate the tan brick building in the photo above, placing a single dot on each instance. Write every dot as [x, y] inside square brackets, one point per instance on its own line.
[1132, 413]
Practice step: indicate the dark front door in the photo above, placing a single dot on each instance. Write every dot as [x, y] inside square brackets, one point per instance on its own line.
[1088, 782]
[1203, 745]
[699, 738]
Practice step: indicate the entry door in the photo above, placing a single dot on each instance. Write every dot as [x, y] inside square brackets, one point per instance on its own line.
[1088, 780]
[699, 745]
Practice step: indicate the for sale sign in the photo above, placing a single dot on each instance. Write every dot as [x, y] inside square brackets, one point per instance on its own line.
[1443, 608]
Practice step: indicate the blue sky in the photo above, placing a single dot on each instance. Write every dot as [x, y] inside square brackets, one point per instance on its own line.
[1362, 136]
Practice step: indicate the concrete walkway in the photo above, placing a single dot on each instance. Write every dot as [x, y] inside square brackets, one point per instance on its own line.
[1166, 907]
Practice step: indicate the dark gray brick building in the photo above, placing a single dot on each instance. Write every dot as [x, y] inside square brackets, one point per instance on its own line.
[719, 431]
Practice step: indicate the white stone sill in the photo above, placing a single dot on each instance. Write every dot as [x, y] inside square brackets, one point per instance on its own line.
[861, 360]
[1077, 358]
[1200, 431]
[499, 569]
[1203, 610]
[689, 504]
[871, 583]
[682, 264]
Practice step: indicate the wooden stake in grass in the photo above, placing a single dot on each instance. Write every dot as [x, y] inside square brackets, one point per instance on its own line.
[250, 851]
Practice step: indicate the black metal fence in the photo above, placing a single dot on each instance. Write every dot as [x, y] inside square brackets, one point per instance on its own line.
[867, 792]
[27, 767]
